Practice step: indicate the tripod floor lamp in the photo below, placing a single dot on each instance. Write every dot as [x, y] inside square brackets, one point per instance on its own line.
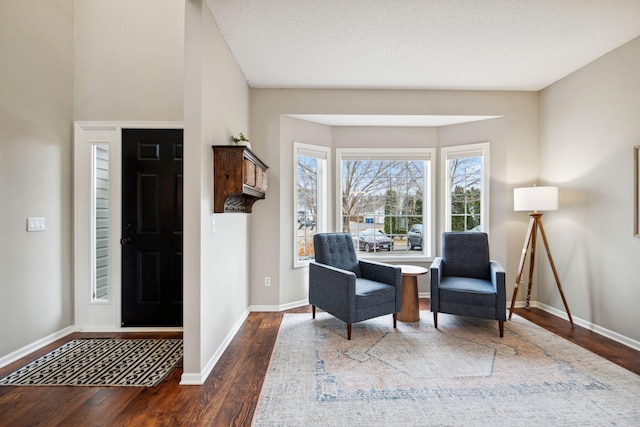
[535, 199]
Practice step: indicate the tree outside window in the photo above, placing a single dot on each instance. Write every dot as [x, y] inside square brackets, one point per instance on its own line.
[466, 191]
[310, 191]
[466, 180]
[307, 206]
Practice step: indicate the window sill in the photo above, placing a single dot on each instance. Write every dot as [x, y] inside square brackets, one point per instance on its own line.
[398, 259]
[392, 259]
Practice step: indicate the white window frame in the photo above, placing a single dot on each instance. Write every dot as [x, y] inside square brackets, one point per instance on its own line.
[428, 220]
[469, 150]
[322, 218]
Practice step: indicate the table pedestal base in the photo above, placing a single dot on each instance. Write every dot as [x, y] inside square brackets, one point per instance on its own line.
[410, 311]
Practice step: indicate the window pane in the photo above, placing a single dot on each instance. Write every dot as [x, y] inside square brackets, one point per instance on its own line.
[381, 200]
[307, 206]
[465, 183]
[100, 220]
[310, 199]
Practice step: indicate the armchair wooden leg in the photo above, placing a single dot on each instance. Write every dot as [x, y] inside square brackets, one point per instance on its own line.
[395, 320]
[501, 327]
[348, 331]
[435, 319]
[313, 311]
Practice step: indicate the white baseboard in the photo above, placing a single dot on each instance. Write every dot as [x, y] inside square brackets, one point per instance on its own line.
[588, 325]
[34, 346]
[192, 379]
[198, 378]
[277, 308]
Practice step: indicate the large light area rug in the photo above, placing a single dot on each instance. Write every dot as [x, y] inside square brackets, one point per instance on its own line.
[102, 362]
[461, 374]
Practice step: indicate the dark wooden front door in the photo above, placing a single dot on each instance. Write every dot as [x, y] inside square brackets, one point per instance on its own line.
[152, 227]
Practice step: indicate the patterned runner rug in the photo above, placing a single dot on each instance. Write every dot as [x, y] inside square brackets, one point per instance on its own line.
[102, 362]
[461, 374]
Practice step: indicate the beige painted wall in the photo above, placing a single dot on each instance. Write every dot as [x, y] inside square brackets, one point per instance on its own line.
[129, 60]
[36, 47]
[215, 263]
[588, 128]
[514, 140]
[291, 282]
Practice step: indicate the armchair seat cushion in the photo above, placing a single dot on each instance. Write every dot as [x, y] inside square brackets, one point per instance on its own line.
[370, 293]
[467, 290]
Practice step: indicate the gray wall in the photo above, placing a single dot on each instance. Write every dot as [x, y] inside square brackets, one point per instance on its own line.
[589, 124]
[216, 263]
[36, 87]
[128, 66]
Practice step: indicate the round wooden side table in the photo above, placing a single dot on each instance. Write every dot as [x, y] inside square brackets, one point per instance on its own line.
[410, 311]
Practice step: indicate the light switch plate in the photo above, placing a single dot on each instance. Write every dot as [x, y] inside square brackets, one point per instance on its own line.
[35, 224]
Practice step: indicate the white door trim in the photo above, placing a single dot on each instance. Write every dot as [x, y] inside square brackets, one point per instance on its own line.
[91, 316]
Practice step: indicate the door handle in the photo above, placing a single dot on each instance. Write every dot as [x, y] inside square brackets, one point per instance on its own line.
[126, 241]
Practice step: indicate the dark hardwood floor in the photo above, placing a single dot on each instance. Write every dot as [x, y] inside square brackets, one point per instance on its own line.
[230, 394]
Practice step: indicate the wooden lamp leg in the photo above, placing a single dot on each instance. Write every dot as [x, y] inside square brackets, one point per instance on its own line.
[523, 257]
[532, 259]
[555, 272]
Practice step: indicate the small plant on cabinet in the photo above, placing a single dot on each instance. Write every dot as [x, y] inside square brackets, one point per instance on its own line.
[240, 138]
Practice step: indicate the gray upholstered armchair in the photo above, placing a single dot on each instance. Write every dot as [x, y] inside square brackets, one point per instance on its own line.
[466, 282]
[350, 289]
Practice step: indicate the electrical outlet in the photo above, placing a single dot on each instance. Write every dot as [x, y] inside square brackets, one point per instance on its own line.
[267, 281]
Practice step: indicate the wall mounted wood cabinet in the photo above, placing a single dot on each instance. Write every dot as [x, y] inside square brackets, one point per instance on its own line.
[239, 178]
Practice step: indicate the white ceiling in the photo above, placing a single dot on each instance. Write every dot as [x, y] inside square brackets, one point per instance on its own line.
[421, 44]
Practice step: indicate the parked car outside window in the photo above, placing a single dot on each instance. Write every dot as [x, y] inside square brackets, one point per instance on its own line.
[373, 240]
[414, 237]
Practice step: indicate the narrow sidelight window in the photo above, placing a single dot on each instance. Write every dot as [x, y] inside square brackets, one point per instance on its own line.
[100, 223]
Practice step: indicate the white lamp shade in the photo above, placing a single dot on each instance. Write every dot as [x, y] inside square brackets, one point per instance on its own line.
[535, 199]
